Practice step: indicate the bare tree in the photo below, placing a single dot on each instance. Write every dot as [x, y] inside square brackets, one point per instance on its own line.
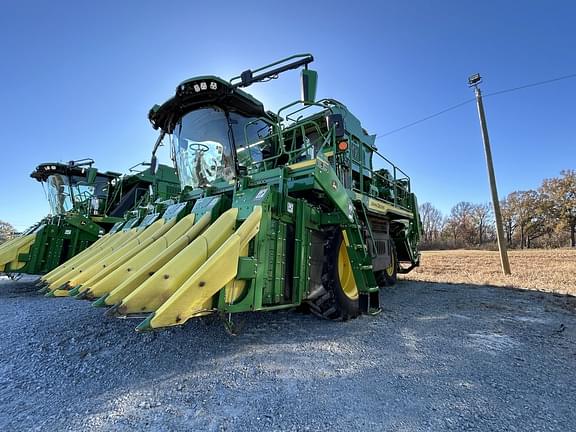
[7, 231]
[432, 220]
[460, 222]
[508, 219]
[481, 214]
[522, 206]
[450, 230]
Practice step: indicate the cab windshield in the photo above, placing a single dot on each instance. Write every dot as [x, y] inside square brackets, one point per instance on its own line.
[59, 197]
[204, 140]
[66, 193]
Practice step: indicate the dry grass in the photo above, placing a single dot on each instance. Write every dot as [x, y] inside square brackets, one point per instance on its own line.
[540, 269]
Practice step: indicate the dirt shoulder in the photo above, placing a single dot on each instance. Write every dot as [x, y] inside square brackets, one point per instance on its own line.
[538, 269]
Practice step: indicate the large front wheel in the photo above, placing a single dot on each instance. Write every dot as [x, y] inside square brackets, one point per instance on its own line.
[337, 299]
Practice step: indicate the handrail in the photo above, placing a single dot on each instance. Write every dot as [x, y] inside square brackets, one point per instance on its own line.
[144, 164]
[323, 107]
[398, 182]
[388, 183]
[391, 163]
[281, 135]
[322, 103]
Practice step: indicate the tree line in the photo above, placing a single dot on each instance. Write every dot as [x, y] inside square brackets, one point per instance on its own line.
[544, 217]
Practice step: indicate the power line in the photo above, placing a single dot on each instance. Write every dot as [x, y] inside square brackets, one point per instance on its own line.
[453, 107]
[530, 85]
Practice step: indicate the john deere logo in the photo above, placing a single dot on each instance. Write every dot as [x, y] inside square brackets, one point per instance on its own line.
[334, 185]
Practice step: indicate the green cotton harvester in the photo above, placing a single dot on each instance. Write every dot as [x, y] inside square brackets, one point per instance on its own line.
[277, 210]
[84, 204]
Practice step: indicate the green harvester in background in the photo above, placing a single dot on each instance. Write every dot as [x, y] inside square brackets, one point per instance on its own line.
[286, 209]
[84, 205]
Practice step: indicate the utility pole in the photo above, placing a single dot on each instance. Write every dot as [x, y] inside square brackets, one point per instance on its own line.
[474, 81]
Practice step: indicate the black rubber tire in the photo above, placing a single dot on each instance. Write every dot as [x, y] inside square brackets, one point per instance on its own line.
[382, 277]
[330, 301]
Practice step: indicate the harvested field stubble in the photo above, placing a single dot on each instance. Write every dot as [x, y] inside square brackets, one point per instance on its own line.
[540, 269]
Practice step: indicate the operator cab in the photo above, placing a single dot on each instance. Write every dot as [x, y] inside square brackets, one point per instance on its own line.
[216, 129]
[74, 186]
[220, 132]
[211, 143]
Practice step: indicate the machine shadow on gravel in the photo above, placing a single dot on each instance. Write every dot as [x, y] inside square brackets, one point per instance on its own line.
[23, 287]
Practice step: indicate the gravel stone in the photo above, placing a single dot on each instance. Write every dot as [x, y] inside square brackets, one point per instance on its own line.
[438, 357]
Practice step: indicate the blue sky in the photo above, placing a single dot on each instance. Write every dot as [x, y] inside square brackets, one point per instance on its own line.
[78, 78]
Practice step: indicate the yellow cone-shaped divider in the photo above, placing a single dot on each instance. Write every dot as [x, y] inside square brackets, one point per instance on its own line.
[77, 273]
[10, 254]
[12, 242]
[96, 288]
[77, 267]
[91, 253]
[99, 245]
[194, 297]
[110, 263]
[158, 288]
[148, 269]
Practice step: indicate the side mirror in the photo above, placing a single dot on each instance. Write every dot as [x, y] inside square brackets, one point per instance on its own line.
[153, 165]
[91, 175]
[309, 82]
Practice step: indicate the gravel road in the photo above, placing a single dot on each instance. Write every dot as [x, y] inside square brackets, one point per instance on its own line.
[439, 357]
